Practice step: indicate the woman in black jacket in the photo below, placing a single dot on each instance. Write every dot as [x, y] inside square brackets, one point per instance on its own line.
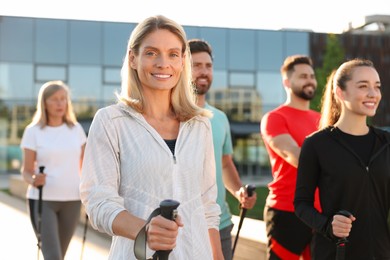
[349, 162]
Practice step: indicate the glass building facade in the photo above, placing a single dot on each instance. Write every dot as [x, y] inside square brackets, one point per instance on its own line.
[88, 55]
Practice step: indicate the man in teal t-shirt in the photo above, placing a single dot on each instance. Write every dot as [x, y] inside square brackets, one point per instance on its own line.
[226, 172]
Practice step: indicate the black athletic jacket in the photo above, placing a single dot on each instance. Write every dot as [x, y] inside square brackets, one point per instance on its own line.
[345, 183]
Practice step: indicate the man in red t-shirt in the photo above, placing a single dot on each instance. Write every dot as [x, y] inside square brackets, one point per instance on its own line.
[283, 131]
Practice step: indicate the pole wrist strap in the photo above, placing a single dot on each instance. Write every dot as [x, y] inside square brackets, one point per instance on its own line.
[141, 238]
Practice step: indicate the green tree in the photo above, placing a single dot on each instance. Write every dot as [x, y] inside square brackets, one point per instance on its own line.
[333, 57]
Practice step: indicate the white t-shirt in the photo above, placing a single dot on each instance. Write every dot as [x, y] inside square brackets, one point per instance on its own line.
[58, 149]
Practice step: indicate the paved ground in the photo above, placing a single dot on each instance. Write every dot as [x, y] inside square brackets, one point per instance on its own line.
[18, 241]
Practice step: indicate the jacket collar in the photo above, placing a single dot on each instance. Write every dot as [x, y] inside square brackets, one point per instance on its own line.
[382, 139]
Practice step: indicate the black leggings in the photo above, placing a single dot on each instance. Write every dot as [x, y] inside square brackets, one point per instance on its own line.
[288, 236]
[58, 224]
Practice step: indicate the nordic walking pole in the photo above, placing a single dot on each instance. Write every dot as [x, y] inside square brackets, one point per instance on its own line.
[342, 242]
[249, 190]
[169, 211]
[84, 236]
[41, 169]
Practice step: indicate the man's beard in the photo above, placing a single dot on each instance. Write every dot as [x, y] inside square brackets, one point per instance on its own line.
[304, 95]
[202, 89]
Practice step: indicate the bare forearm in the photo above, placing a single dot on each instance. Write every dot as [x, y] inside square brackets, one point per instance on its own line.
[28, 176]
[215, 242]
[127, 225]
[292, 157]
[82, 156]
[28, 166]
[286, 147]
[230, 175]
[232, 182]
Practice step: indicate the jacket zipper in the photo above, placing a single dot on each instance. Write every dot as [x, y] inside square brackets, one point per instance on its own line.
[147, 127]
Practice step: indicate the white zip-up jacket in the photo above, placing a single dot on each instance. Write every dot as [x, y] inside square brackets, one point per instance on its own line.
[128, 166]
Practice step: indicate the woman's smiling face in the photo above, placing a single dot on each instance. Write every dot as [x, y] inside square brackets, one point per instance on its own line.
[362, 94]
[160, 60]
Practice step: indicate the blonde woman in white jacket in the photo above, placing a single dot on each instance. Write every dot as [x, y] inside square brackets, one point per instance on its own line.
[155, 144]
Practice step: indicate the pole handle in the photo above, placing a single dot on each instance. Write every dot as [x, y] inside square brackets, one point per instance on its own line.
[168, 210]
[344, 213]
[41, 169]
[250, 189]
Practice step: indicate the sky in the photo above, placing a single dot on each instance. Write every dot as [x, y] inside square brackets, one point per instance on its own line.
[327, 16]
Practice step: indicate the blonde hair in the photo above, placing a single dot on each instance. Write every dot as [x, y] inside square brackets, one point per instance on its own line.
[47, 90]
[330, 105]
[183, 98]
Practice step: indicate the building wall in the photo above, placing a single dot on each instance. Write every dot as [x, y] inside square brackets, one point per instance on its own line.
[88, 55]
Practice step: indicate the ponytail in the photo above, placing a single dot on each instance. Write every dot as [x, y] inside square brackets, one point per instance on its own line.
[330, 107]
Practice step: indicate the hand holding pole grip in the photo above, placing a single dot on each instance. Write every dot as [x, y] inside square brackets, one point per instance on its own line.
[168, 210]
[41, 169]
[347, 214]
[341, 242]
[250, 189]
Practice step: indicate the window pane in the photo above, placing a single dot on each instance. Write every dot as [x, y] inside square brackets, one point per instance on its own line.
[270, 50]
[16, 80]
[297, 43]
[241, 50]
[109, 92]
[85, 82]
[112, 75]
[191, 32]
[51, 41]
[85, 42]
[46, 73]
[271, 90]
[115, 36]
[16, 36]
[217, 37]
[242, 79]
[219, 79]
